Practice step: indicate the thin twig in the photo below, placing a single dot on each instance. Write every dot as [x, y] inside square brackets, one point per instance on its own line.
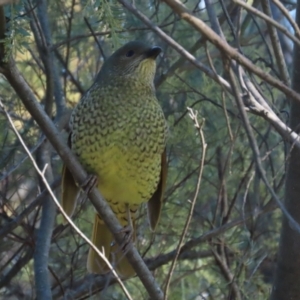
[193, 116]
[95, 38]
[256, 152]
[181, 50]
[17, 165]
[103, 33]
[287, 14]
[69, 30]
[276, 44]
[80, 233]
[266, 18]
[228, 274]
[17, 81]
[224, 47]
[5, 229]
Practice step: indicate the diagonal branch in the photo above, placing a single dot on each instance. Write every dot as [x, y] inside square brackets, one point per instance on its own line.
[22, 89]
[44, 179]
[227, 50]
[276, 45]
[181, 50]
[255, 149]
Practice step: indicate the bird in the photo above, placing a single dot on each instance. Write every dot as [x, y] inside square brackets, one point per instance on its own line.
[118, 132]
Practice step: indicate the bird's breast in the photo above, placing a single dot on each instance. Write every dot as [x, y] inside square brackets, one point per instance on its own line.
[122, 145]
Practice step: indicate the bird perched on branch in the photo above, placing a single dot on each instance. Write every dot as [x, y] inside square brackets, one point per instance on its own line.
[118, 133]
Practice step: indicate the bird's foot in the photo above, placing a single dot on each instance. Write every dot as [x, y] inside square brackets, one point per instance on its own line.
[128, 230]
[90, 182]
[128, 237]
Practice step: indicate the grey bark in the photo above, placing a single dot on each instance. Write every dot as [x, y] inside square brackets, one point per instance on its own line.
[286, 284]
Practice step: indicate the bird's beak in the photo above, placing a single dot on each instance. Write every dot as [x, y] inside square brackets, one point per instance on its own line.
[153, 52]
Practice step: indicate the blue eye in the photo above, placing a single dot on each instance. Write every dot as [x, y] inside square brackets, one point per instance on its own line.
[130, 53]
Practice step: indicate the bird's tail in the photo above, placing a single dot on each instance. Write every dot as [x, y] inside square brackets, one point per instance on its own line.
[70, 192]
[103, 239]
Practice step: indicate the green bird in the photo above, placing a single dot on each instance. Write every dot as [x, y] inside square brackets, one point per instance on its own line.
[118, 133]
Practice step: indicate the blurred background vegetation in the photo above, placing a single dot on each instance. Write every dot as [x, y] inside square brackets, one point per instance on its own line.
[237, 259]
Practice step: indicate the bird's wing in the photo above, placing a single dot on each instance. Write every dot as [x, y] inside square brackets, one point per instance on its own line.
[69, 190]
[156, 201]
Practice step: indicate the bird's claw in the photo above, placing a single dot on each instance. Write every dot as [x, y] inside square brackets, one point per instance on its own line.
[90, 182]
[128, 237]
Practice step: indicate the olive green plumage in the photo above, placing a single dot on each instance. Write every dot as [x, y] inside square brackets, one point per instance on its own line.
[119, 134]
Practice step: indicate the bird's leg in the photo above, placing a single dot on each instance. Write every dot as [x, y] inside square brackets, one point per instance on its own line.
[87, 185]
[128, 212]
[90, 182]
[127, 231]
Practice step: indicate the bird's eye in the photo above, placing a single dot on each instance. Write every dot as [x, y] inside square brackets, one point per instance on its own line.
[130, 53]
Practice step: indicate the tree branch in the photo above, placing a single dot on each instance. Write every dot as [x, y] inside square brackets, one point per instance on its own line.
[21, 88]
[227, 50]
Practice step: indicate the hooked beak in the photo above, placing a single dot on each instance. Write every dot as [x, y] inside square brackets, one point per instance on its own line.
[153, 52]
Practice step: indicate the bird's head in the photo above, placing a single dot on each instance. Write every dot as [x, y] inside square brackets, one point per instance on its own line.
[135, 60]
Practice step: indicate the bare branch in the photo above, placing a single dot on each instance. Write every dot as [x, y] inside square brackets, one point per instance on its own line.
[18, 83]
[44, 179]
[276, 45]
[256, 152]
[181, 50]
[224, 47]
[193, 116]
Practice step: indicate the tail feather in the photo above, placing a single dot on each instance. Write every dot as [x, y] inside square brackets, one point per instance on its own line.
[70, 191]
[104, 241]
